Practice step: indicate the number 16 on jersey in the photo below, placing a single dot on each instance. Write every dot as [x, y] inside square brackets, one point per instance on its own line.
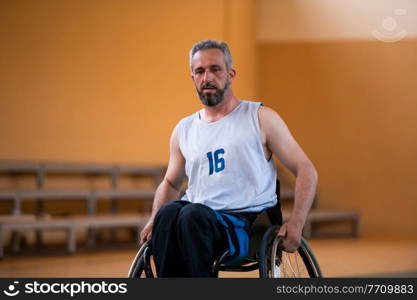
[216, 163]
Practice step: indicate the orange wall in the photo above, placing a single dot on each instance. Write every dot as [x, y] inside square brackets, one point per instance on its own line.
[107, 81]
[352, 106]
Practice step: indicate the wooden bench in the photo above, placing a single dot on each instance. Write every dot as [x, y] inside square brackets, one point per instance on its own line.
[59, 195]
[156, 172]
[43, 169]
[22, 167]
[69, 224]
[30, 223]
[16, 197]
[320, 216]
[114, 171]
[135, 221]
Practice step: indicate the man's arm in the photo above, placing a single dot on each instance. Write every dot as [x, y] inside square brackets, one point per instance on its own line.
[279, 141]
[169, 188]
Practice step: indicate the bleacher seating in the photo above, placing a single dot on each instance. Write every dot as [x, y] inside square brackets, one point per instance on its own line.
[320, 220]
[39, 219]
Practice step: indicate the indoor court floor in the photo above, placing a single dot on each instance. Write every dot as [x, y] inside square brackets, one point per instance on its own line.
[370, 256]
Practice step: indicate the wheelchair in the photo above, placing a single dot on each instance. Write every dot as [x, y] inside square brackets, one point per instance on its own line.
[265, 253]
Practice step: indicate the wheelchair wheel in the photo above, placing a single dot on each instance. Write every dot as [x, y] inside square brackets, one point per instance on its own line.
[141, 265]
[277, 263]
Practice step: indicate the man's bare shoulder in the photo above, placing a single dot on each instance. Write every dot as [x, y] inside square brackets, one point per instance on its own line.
[183, 123]
[268, 115]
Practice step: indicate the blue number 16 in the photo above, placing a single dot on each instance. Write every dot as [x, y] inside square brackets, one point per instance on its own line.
[219, 162]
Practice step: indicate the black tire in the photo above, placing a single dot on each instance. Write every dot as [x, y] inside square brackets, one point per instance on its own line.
[263, 250]
[137, 268]
[276, 263]
[310, 260]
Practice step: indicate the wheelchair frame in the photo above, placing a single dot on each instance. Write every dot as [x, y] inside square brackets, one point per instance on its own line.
[270, 259]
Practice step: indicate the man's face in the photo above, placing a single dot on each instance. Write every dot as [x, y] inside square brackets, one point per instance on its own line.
[210, 76]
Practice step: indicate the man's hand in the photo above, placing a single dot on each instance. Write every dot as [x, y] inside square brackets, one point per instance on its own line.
[291, 235]
[146, 233]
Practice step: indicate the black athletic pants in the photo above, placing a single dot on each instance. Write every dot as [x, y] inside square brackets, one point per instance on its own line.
[186, 239]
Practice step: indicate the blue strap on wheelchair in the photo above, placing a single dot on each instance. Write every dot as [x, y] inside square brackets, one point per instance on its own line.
[236, 234]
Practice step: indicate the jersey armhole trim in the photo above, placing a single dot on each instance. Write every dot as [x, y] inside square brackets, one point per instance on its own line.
[260, 104]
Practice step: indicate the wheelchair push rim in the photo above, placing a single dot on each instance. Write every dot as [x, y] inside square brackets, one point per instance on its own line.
[276, 263]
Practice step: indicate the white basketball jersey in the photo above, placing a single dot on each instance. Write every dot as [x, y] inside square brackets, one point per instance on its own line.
[225, 162]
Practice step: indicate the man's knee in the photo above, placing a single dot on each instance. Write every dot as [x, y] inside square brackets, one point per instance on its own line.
[170, 209]
[195, 213]
[167, 215]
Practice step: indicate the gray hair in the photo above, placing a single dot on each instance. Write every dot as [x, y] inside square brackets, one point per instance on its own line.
[212, 44]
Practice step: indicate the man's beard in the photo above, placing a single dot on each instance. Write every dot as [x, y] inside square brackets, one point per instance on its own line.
[212, 99]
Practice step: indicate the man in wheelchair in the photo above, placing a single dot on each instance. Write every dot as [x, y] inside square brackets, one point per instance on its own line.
[225, 150]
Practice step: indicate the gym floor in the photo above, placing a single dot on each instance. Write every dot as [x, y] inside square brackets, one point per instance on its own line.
[371, 256]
